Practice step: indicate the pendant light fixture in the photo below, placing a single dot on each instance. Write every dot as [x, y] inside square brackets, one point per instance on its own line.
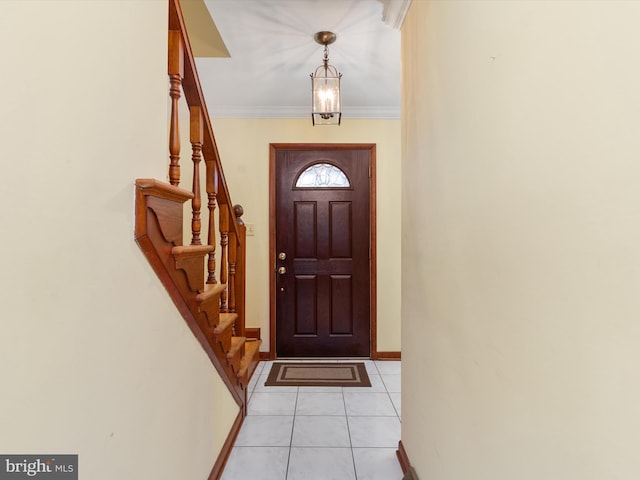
[325, 87]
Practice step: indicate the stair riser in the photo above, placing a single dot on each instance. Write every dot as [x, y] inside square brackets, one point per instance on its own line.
[211, 311]
[224, 338]
[169, 218]
[249, 362]
[235, 358]
[194, 270]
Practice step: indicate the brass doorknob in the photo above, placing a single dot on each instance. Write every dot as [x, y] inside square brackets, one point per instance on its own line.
[282, 270]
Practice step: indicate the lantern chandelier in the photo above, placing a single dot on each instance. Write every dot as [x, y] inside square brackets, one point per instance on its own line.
[325, 86]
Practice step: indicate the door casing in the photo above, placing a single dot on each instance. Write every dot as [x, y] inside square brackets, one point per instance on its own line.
[273, 148]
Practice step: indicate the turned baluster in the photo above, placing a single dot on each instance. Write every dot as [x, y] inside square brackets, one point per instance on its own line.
[224, 241]
[212, 192]
[176, 74]
[233, 245]
[197, 134]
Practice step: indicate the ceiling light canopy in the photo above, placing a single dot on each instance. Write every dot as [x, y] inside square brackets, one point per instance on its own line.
[325, 87]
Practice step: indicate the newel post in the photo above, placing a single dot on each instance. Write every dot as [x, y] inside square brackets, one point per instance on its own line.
[224, 242]
[240, 271]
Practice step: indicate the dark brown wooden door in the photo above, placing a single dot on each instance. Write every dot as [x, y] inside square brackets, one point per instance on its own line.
[322, 252]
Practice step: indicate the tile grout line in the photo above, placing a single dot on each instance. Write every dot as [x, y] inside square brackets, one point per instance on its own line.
[389, 396]
[353, 456]
[293, 426]
[346, 418]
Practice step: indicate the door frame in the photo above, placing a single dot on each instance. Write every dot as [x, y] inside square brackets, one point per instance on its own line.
[371, 147]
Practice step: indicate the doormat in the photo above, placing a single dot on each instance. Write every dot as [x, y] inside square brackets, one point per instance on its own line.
[308, 374]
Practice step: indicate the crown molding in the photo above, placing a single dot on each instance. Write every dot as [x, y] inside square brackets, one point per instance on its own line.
[394, 12]
[301, 112]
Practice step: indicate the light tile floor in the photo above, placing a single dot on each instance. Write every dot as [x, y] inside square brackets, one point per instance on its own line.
[323, 433]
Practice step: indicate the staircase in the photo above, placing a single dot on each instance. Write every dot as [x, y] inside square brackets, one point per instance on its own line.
[205, 307]
[206, 285]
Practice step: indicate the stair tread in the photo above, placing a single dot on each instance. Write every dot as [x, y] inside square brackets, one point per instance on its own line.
[155, 188]
[226, 321]
[236, 344]
[250, 348]
[191, 250]
[211, 292]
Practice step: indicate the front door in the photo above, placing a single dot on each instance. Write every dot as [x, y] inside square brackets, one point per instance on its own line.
[322, 265]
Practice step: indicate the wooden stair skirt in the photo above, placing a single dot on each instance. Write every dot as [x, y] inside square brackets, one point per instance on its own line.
[181, 269]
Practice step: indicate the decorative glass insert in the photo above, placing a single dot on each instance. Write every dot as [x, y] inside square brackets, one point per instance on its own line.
[323, 175]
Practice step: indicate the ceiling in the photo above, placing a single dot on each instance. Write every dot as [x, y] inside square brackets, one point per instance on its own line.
[272, 53]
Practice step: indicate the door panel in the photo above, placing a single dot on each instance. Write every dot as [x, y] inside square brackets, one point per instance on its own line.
[305, 221]
[306, 301]
[340, 229]
[341, 305]
[323, 284]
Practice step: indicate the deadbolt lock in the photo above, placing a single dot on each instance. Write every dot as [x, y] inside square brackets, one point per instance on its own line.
[282, 256]
[282, 270]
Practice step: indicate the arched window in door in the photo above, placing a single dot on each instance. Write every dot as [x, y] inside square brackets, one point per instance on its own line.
[322, 175]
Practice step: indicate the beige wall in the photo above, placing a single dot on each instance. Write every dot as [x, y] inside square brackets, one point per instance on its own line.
[521, 228]
[94, 358]
[244, 148]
